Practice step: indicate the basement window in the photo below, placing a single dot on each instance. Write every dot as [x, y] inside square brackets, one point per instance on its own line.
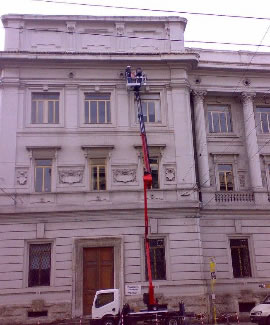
[32, 314]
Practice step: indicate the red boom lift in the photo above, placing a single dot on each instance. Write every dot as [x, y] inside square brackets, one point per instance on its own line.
[106, 307]
[134, 83]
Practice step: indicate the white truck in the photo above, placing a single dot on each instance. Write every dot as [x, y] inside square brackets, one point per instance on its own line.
[260, 314]
[106, 310]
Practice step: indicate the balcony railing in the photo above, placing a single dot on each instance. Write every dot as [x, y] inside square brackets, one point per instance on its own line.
[231, 197]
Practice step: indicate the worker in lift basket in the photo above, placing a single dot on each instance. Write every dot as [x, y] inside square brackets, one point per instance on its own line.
[128, 73]
[139, 75]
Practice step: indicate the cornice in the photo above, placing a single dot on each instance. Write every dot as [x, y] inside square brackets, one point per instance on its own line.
[178, 59]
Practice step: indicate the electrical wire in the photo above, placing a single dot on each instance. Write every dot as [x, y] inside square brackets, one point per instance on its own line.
[161, 39]
[195, 187]
[205, 42]
[192, 41]
[137, 37]
[156, 10]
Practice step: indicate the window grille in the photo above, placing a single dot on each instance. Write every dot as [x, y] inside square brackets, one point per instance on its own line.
[39, 265]
[157, 258]
[240, 258]
[45, 108]
[43, 175]
[219, 119]
[97, 109]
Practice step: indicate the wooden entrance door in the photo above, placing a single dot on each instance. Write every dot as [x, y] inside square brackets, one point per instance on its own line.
[98, 273]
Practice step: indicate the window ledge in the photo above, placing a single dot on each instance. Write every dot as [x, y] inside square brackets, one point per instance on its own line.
[222, 135]
[43, 147]
[97, 126]
[139, 146]
[102, 146]
[45, 125]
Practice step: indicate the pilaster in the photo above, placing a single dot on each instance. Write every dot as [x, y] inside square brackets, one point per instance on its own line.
[183, 136]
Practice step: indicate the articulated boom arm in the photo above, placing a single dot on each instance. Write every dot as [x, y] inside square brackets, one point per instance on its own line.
[147, 181]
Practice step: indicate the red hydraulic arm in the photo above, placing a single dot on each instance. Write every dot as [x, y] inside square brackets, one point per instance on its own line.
[147, 182]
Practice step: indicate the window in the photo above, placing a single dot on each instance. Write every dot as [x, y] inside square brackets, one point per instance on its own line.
[45, 108]
[98, 174]
[39, 265]
[157, 258]
[262, 115]
[240, 258]
[97, 109]
[225, 175]
[151, 108]
[104, 299]
[43, 175]
[154, 164]
[219, 119]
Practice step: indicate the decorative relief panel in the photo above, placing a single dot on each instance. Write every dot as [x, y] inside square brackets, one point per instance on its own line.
[124, 175]
[70, 176]
[170, 174]
[242, 179]
[155, 195]
[21, 176]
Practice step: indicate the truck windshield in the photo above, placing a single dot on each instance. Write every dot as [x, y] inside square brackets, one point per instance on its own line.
[104, 299]
[267, 300]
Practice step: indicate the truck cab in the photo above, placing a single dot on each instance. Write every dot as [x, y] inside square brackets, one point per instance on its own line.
[260, 314]
[106, 307]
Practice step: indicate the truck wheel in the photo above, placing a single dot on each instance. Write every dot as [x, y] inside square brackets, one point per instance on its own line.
[108, 321]
[172, 321]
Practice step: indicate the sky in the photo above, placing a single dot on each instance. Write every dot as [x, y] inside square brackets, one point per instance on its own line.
[199, 28]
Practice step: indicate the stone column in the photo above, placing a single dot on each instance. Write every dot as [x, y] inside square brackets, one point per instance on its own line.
[251, 141]
[201, 139]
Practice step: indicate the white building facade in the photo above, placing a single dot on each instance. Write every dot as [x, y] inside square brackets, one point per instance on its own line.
[71, 201]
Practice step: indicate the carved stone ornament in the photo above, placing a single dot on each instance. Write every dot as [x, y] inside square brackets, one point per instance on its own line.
[212, 179]
[170, 174]
[124, 175]
[120, 28]
[242, 180]
[247, 97]
[22, 176]
[70, 176]
[167, 30]
[198, 96]
[264, 181]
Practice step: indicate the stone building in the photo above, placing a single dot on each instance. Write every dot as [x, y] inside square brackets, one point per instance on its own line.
[71, 201]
